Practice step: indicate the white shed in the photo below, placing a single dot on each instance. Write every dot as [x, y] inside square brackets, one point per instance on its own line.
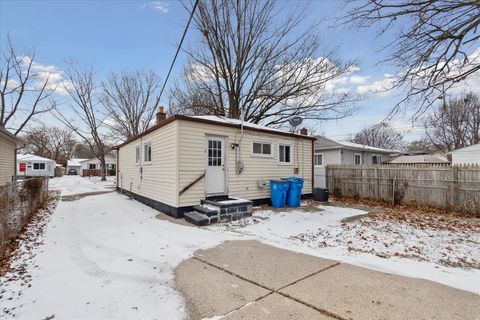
[30, 165]
[467, 155]
[75, 164]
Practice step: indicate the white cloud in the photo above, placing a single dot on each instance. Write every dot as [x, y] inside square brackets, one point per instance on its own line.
[160, 6]
[381, 87]
[43, 72]
[358, 79]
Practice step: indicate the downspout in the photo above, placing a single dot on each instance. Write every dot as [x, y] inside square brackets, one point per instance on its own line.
[239, 163]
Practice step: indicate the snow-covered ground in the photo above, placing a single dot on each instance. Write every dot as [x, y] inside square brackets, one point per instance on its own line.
[69, 185]
[389, 246]
[109, 257]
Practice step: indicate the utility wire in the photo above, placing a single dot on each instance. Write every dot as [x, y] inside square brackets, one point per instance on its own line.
[178, 48]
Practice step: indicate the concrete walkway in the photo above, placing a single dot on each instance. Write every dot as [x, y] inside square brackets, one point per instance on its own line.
[251, 280]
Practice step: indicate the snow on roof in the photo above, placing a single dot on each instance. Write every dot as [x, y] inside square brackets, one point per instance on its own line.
[222, 119]
[353, 145]
[31, 157]
[75, 162]
[421, 158]
[467, 148]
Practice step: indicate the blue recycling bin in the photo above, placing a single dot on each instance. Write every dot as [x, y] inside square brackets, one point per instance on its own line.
[278, 190]
[294, 193]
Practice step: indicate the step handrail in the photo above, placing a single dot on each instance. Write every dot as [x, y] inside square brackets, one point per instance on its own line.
[200, 177]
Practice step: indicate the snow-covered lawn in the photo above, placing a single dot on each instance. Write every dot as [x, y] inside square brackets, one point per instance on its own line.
[441, 249]
[109, 257]
[103, 257]
[69, 185]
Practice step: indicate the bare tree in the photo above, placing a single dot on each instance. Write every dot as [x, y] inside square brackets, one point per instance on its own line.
[50, 142]
[254, 59]
[131, 100]
[456, 123]
[380, 135]
[431, 48]
[421, 146]
[88, 114]
[24, 90]
[38, 141]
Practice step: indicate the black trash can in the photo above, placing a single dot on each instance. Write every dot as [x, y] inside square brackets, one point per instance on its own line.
[320, 194]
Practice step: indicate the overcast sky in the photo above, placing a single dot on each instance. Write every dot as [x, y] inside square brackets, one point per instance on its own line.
[128, 35]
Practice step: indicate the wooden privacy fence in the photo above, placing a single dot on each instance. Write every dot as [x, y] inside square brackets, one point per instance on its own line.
[440, 186]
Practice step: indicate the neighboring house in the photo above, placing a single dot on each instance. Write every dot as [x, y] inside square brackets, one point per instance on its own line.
[467, 155]
[8, 151]
[183, 160]
[30, 165]
[420, 159]
[75, 164]
[94, 164]
[329, 151]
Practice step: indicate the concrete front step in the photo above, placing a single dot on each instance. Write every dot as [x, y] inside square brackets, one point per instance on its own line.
[199, 219]
[219, 210]
[207, 210]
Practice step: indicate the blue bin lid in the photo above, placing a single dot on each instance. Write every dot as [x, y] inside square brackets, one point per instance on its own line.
[279, 181]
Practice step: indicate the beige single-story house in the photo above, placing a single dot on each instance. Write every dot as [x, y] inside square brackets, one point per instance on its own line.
[331, 151]
[8, 152]
[185, 161]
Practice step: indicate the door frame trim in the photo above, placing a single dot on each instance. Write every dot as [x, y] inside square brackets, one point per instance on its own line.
[225, 159]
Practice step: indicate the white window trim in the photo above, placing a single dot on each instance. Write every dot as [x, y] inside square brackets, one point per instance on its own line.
[145, 162]
[261, 155]
[361, 160]
[291, 154]
[137, 161]
[323, 159]
[33, 166]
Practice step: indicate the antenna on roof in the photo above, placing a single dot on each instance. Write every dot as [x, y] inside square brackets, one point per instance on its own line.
[295, 122]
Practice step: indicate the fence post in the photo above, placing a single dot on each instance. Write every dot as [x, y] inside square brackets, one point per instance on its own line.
[453, 186]
[377, 184]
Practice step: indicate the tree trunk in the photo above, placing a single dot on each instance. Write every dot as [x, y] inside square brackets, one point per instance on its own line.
[103, 167]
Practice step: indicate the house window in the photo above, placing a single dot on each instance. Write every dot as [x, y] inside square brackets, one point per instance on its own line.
[376, 159]
[319, 159]
[38, 166]
[137, 154]
[263, 149]
[284, 153]
[147, 152]
[357, 159]
[92, 166]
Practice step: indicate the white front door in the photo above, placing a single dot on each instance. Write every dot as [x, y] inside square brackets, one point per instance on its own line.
[215, 172]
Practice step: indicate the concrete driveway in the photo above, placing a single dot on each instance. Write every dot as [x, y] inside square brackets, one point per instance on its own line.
[251, 280]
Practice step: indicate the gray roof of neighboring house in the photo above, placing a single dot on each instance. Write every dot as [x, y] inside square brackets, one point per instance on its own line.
[324, 143]
[32, 157]
[422, 158]
[75, 162]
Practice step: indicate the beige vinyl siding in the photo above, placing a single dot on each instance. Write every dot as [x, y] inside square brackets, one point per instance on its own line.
[192, 138]
[159, 179]
[7, 159]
